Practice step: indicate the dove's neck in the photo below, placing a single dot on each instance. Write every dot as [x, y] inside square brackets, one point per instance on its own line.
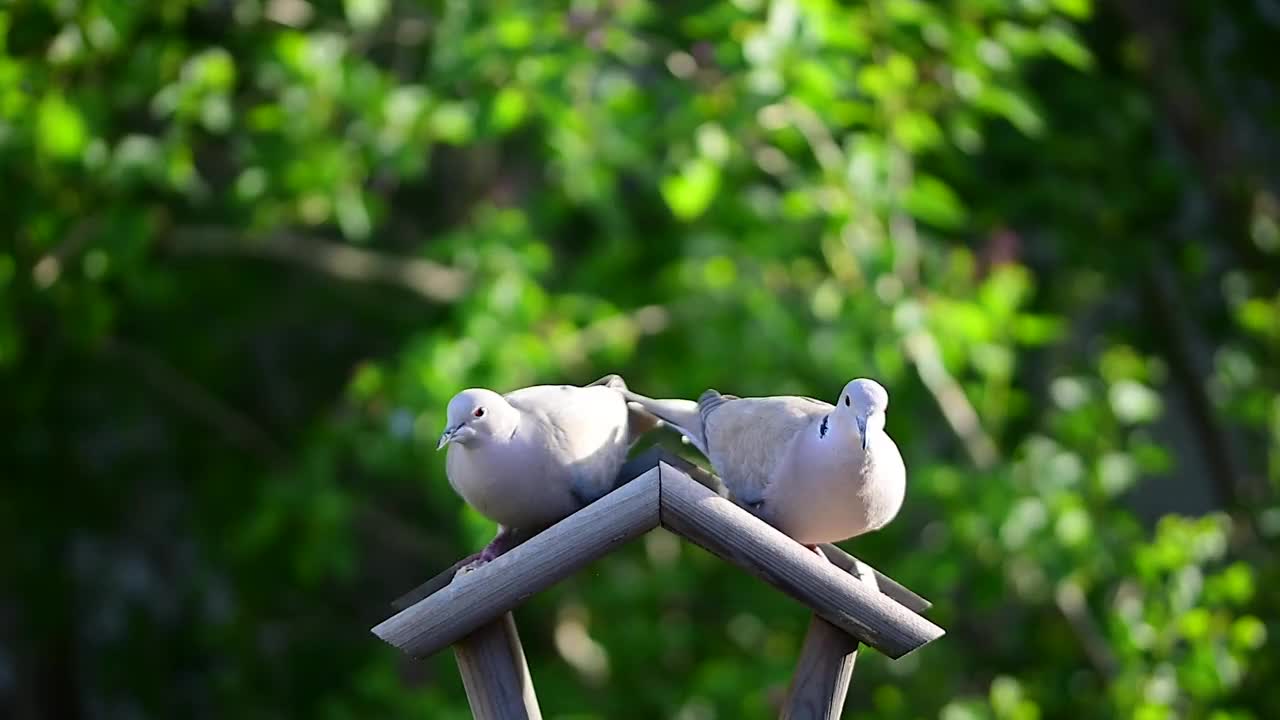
[836, 430]
[505, 424]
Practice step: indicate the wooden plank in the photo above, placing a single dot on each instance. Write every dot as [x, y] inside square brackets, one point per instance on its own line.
[900, 593]
[482, 595]
[495, 673]
[632, 469]
[718, 525]
[821, 679]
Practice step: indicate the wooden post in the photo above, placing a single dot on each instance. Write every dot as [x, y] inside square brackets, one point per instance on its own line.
[496, 674]
[822, 674]
[825, 668]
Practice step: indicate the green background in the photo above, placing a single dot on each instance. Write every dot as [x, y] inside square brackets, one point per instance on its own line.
[250, 248]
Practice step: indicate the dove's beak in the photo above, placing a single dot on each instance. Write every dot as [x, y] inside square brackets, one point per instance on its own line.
[862, 430]
[447, 437]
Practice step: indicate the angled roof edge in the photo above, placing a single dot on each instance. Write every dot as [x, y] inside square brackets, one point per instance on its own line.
[660, 488]
[474, 598]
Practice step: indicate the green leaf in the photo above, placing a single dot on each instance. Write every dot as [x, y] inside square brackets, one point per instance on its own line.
[1248, 633]
[1078, 9]
[60, 130]
[452, 123]
[364, 14]
[1134, 402]
[916, 131]
[690, 192]
[932, 201]
[1062, 43]
[510, 106]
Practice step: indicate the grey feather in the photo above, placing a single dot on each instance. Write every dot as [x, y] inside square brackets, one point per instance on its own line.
[639, 421]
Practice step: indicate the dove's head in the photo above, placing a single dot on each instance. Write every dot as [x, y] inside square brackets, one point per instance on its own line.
[476, 414]
[864, 402]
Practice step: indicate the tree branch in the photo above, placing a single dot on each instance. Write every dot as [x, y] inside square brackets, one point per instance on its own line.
[197, 401]
[430, 280]
[1070, 601]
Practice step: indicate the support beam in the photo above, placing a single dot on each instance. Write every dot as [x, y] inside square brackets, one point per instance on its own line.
[887, 585]
[822, 674]
[482, 595]
[496, 674]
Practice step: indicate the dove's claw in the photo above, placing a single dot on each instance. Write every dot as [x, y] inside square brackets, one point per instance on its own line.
[501, 543]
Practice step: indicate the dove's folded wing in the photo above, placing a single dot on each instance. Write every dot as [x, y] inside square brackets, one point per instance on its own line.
[639, 420]
[748, 439]
[587, 428]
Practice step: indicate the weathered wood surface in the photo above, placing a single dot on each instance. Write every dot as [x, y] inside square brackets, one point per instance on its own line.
[632, 469]
[730, 532]
[820, 681]
[495, 673]
[482, 595]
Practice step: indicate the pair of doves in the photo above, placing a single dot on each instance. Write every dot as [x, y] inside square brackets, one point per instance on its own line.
[818, 473]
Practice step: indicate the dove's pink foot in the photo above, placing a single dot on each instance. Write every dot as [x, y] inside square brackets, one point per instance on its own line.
[501, 543]
[816, 549]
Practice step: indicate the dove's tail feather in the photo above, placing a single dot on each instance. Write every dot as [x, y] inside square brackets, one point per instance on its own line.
[683, 415]
[613, 380]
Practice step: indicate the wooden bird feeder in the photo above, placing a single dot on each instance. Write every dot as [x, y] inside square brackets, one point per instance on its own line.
[852, 603]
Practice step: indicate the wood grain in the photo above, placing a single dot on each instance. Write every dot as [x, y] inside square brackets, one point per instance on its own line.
[721, 527]
[484, 594]
[821, 678]
[495, 673]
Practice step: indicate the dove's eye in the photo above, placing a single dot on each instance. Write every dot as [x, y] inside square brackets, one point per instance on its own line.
[479, 412]
[846, 401]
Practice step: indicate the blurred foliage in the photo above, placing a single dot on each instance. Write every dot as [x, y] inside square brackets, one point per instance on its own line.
[255, 245]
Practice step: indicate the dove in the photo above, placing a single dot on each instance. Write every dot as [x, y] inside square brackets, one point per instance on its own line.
[817, 472]
[533, 456]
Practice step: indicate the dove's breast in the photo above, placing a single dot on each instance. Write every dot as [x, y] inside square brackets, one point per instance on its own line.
[829, 495]
[515, 487]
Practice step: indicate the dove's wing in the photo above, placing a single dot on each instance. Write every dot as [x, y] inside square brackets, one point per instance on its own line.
[639, 421]
[585, 431]
[747, 439]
